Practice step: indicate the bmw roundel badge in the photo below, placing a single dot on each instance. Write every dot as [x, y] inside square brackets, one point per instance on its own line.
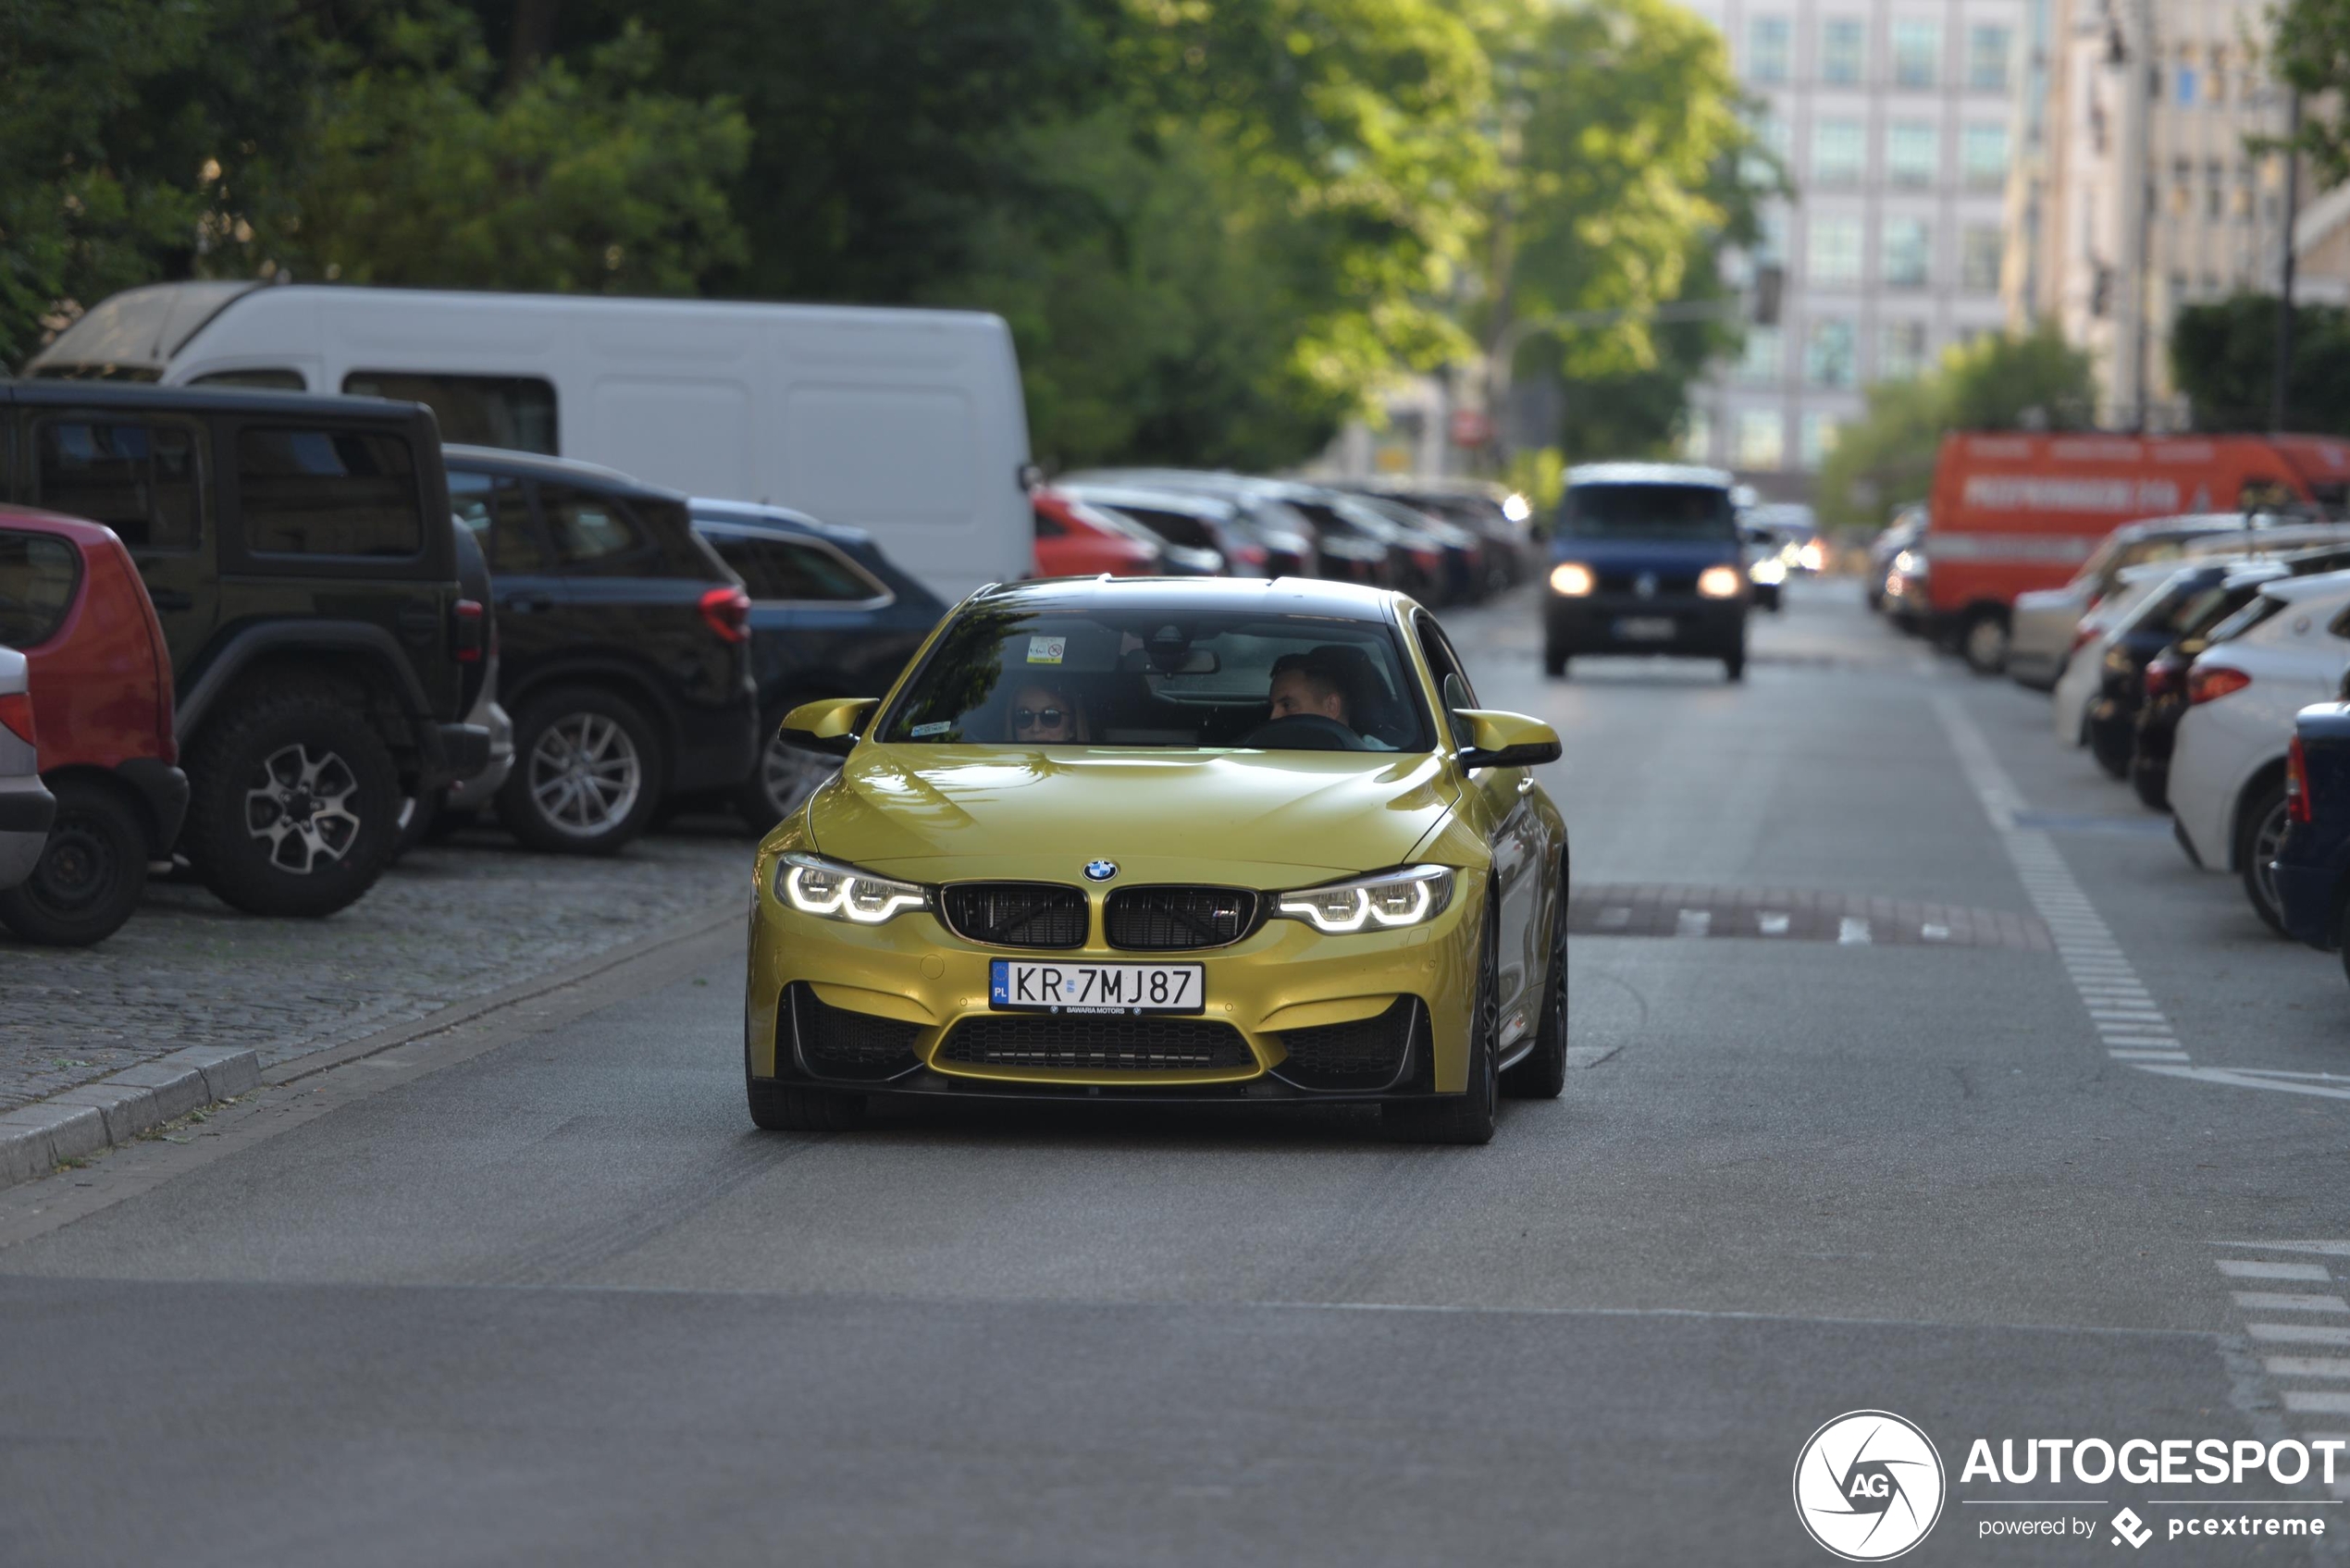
[1100, 870]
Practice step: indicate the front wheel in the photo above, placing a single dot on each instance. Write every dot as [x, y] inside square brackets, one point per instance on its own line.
[1554, 662]
[1985, 644]
[1466, 1118]
[1734, 666]
[2262, 836]
[782, 780]
[91, 873]
[587, 774]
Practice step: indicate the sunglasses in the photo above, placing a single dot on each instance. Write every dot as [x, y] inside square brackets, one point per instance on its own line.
[1029, 718]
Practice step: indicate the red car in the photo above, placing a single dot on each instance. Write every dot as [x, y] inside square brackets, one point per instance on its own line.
[71, 602]
[1074, 541]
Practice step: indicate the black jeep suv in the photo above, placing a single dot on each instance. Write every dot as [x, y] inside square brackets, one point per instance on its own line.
[625, 651]
[299, 554]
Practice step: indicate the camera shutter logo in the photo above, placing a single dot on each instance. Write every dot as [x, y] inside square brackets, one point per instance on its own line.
[1868, 1485]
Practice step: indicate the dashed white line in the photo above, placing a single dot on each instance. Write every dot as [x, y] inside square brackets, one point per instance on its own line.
[2285, 1301]
[1852, 931]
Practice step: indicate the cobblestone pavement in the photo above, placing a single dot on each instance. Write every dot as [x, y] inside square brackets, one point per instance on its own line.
[450, 921]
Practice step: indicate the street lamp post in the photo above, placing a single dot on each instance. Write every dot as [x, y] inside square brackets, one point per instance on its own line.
[2281, 396]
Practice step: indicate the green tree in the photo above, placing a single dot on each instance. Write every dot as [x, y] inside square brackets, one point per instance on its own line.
[2223, 357]
[2309, 52]
[1995, 383]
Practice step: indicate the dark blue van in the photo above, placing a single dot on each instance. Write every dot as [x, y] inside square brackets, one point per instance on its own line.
[1646, 558]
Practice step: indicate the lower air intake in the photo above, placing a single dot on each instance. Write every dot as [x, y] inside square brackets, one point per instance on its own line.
[839, 1043]
[1365, 1054]
[1097, 1045]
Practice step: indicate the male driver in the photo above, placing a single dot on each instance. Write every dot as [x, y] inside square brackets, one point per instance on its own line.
[1316, 683]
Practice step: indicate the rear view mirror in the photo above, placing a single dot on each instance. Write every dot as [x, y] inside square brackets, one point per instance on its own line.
[830, 726]
[1506, 740]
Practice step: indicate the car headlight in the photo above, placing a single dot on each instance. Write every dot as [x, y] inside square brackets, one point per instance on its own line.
[1572, 579]
[1718, 582]
[1382, 902]
[1768, 571]
[814, 885]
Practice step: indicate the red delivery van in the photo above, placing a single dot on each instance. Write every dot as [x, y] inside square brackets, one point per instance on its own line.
[2014, 512]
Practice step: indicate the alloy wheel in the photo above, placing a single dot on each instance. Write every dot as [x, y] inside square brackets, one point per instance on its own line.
[2267, 841]
[789, 774]
[585, 775]
[302, 808]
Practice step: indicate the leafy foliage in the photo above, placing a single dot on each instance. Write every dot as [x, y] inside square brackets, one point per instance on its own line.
[1885, 457]
[2223, 357]
[2310, 52]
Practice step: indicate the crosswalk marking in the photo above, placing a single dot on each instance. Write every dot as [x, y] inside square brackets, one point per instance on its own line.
[2286, 1300]
[1852, 931]
[2246, 1268]
[2300, 1364]
[2307, 1365]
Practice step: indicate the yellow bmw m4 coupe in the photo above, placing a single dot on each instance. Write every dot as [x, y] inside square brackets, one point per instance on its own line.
[1217, 841]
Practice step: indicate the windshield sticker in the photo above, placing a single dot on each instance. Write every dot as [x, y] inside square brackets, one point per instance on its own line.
[1045, 650]
[923, 732]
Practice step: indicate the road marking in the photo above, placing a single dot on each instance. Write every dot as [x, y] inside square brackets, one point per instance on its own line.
[1771, 922]
[1694, 922]
[1616, 916]
[1853, 919]
[1852, 931]
[2129, 1022]
[2285, 1301]
[2241, 1268]
[2299, 1334]
[2307, 1365]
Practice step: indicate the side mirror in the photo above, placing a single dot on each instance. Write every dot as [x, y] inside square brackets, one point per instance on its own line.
[829, 726]
[1506, 740]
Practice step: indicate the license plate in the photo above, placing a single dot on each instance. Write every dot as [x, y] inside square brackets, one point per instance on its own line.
[1645, 628]
[1019, 986]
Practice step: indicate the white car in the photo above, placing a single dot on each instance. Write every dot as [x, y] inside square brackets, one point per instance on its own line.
[2085, 670]
[25, 805]
[2288, 649]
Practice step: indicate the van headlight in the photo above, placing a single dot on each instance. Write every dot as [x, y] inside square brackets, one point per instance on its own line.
[1572, 579]
[1718, 582]
[832, 891]
[1768, 569]
[1383, 901]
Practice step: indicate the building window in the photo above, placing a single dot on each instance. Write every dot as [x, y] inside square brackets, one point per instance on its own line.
[1981, 248]
[1983, 155]
[1828, 352]
[1907, 258]
[1988, 50]
[1835, 247]
[1840, 152]
[1815, 438]
[1901, 350]
[1762, 357]
[1761, 438]
[2186, 87]
[2215, 87]
[1844, 51]
[1766, 49]
[1770, 243]
[1913, 153]
[1697, 437]
[1917, 52]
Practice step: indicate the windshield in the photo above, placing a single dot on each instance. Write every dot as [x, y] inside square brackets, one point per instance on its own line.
[1647, 511]
[1156, 678]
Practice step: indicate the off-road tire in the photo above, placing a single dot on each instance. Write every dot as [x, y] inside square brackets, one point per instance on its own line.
[1542, 1075]
[91, 871]
[2263, 815]
[529, 819]
[1467, 1117]
[233, 755]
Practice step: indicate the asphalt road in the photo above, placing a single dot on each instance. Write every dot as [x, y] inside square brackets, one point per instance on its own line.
[533, 1290]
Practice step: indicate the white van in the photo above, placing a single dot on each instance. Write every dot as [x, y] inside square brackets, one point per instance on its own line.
[908, 423]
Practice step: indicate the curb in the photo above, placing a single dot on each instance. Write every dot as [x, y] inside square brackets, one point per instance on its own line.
[37, 1139]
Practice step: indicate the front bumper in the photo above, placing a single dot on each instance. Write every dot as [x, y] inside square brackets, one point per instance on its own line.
[26, 810]
[1713, 628]
[1282, 978]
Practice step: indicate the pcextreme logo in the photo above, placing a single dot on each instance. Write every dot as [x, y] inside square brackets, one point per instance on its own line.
[1868, 1485]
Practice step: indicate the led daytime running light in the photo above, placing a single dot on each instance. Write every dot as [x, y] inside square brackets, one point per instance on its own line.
[1388, 901]
[834, 892]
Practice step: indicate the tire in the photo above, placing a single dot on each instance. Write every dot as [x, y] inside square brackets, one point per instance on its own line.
[588, 769]
[293, 803]
[1543, 1073]
[1984, 644]
[1467, 1117]
[2152, 786]
[2111, 745]
[2260, 828]
[2341, 938]
[1734, 666]
[1554, 663]
[781, 781]
[91, 873]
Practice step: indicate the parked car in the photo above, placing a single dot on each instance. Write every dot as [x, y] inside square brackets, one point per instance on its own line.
[2077, 688]
[477, 793]
[1765, 568]
[830, 611]
[1075, 540]
[2045, 622]
[1497, 515]
[71, 604]
[297, 552]
[623, 648]
[1285, 517]
[1646, 558]
[1462, 574]
[909, 423]
[2312, 870]
[25, 805]
[1201, 522]
[1909, 588]
[2228, 764]
[2193, 598]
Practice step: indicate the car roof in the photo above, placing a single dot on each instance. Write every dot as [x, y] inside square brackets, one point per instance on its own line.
[1648, 474]
[80, 529]
[538, 465]
[2324, 585]
[1284, 596]
[66, 390]
[762, 514]
[1191, 503]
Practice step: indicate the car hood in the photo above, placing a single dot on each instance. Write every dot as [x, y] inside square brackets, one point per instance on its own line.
[1269, 817]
